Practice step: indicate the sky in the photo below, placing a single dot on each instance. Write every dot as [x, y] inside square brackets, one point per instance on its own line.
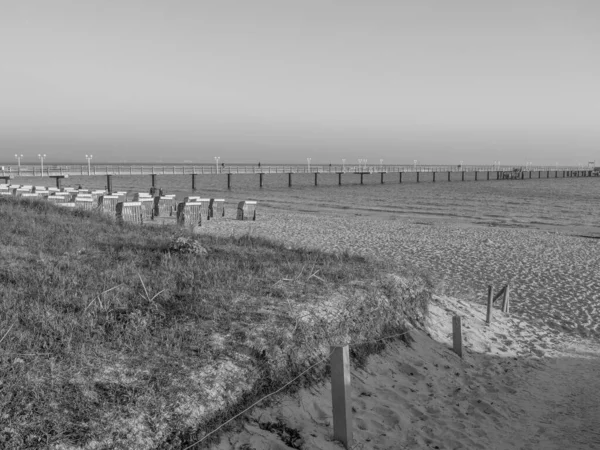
[280, 81]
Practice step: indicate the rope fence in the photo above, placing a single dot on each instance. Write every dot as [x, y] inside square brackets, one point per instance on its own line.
[320, 361]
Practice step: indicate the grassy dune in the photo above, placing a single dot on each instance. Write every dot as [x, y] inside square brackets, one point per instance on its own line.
[118, 336]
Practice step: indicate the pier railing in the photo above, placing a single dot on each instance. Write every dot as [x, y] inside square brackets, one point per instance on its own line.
[108, 169]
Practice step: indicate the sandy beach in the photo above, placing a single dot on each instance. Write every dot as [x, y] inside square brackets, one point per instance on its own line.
[527, 381]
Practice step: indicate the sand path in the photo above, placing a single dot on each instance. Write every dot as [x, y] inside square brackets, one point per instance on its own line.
[424, 396]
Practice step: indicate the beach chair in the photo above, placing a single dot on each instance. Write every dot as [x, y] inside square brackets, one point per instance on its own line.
[108, 204]
[57, 199]
[216, 208]
[189, 213]
[147, 207]
[246, 210]
[85, 203]
[165, 206]
[130, 212]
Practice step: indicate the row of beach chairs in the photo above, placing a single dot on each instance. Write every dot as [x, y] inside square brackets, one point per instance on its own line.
[142, 207]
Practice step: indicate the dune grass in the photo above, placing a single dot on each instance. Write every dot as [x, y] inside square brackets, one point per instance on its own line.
[120, 336]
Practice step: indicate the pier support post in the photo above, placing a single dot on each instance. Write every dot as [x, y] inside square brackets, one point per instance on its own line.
[463, 175]
[449, 175]
[539, 174]
[563, 174]
[434, 177]
[316, 175]
[548, 174]
[290, 179]
[488, 175]
[340, 178]
[530, 174]
[193, 182]
[153, 179]
[418, 177]
[260, 179]
[490, 299]
[228, 181]
[361, 178]
[400, 173]
[522, 175]
[475, 175]
[381, 177]
[457, 335]
[109, 184]
[340, 395]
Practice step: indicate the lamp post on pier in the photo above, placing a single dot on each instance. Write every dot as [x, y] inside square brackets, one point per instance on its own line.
[19, 163]
[343, 164]
[41, 157]
[89, 159]
[381, 165]
[308, 163]
[217, 158]
[362, 165]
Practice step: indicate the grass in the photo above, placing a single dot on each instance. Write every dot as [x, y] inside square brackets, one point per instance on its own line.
[119, 336]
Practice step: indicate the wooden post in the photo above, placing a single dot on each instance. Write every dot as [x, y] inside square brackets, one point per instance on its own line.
[449, 175]
[153, 178]
[506, 300]
[290, 179]
[400, 173]
[457, 335]
[539, 174]
[340, 395]
[418, 177]
[109, 184]
[522, 175]
[434, 177]
[260, 179]
[340, 178]
[463, 175]
[548, 174]
[193, 182]
[361, 178]
[316, 175]
[475, 175]
[381, 177]
[488, 175]
[228, 181]
[530, 173]
[488, 318]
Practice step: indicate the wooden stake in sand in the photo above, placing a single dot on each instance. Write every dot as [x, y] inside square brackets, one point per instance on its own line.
[490, 301]
[340, 395]
[457, 335]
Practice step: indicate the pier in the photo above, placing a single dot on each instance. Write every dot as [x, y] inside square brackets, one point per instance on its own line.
[423, 173]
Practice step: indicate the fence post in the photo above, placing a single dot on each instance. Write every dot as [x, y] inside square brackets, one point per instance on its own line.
[457, 335]
[506, 300]
[340, 395]
[490, 299]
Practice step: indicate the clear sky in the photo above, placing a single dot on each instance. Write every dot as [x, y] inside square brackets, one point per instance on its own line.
[280, 81]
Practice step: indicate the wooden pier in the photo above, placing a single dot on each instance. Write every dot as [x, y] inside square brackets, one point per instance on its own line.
[423, 172]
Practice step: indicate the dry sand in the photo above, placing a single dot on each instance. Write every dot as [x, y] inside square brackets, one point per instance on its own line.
[528, 381]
